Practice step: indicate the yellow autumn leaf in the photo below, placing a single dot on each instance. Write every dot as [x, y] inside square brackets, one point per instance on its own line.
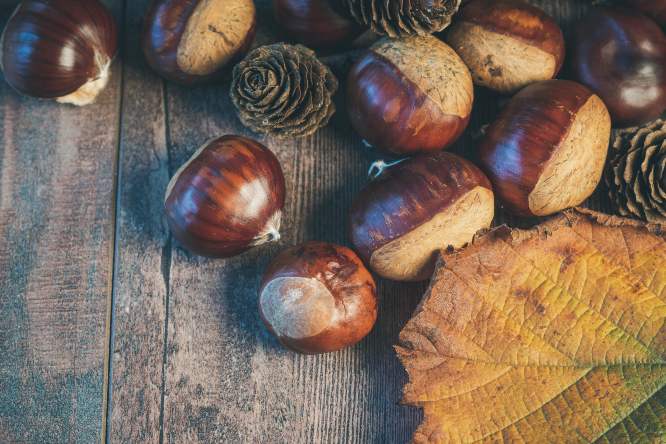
[555, 334]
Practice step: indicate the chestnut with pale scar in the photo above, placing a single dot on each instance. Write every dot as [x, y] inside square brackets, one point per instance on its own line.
[507, 44]
[193, 41]
[412, 95]
[546, 150]
[297, 307]
[318, 297]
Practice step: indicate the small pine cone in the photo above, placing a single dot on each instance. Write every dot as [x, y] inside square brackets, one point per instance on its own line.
[636, 172]
[400, 18]
[283, 90]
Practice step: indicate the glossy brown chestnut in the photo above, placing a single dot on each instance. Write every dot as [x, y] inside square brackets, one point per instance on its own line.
[399, 222]
[315, 23]
[547, 149]
[227, 198]
[653, 8]
[318, 297]
[507, 44]
[192, 41]
[410, 95]
[59, 49]
[621, 56]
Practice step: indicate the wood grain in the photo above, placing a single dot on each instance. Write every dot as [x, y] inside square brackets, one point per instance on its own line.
[57, 167]
[141, 279]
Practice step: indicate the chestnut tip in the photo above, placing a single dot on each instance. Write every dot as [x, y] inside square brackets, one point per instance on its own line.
[378, 167]
[271, 232]
[89, 91]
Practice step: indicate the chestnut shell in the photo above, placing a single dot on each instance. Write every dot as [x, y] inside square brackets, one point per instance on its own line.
[653, 8]
[350, 284]
[519, 143]
[51, 48]
[227, 198]
[406, 196]
[621, 55]
[501, 16]
[415, 113]
[315, 23]
[163, 27]
[527, 27]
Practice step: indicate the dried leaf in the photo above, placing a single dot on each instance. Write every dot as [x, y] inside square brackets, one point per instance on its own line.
[556, 334]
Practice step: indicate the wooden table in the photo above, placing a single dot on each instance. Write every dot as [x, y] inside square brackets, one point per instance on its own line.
[110, 331]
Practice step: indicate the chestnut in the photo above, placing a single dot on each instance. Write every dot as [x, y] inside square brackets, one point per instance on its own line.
[59, 49]
[192, 41]
[507, 44]
[546, 150]
[653, 8]
[227, 198]
[400, 221]
[315, 23]
[318, 297]
[621, 56]
[410, 95]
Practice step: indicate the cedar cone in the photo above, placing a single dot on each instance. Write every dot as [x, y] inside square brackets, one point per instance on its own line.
[636, 170]
[399, 18]
[283, 90]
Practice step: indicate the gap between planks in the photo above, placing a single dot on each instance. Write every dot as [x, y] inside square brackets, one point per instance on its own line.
[165, 266]
[115, 205]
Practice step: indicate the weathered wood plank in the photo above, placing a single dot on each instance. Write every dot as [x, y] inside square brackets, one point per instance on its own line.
[143, 250]
[57, 168]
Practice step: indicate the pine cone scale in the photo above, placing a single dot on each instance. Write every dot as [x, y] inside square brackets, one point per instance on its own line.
[659, 178]
[635, 175]
[259, 86]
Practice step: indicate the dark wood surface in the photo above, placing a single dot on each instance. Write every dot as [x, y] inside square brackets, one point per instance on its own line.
[91, 282]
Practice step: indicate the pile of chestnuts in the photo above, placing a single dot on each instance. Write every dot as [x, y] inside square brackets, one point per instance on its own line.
[410, 97]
